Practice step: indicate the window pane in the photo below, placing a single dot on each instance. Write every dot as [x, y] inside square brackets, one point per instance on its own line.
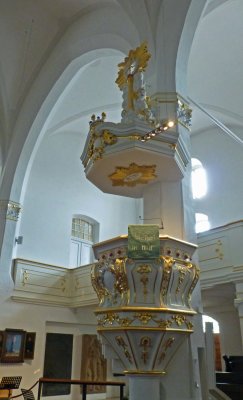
[202, 223]
[82, 229]
[198, 179]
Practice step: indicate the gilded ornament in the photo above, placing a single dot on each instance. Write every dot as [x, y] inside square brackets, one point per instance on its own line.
[136, 61]
[184, 114]
[133, 175]
[144, 270]
[182, 275]
[120, 341]
[97, 141]
[11, 208]
[108, 137]
[169, 343]
[25, 277]
[179, 319]
[124, 322]
[108, 318]
[165, 347]
[120, 285]
[163, 323]
[98, 284]
[145, 342]
[144, 318]
[194, 282]
[167, 270]
[189, 324]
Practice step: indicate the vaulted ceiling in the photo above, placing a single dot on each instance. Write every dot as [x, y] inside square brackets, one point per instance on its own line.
[33, 31]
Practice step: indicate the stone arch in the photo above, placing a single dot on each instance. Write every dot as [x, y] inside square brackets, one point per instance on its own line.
[79, 45]
[194, 14]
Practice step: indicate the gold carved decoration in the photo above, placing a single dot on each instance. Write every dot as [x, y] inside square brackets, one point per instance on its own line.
[163, 323]
[11, 209]
[144, 270]
[179, 319]
[112, 319]
[133, 175]
[108, 137]
[98, 141]
[120, 341]
[135, 62]
[119, 271]
[168, 264]
[144, 318]
[182, 275]
[120, 287]
[145, 343]
[97, 284]
[165, 347]
[25, 277]
[194, 282]
[108, 318]
[93, 364]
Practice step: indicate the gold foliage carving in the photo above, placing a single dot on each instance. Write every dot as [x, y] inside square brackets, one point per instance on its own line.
[168, 264]
[136, 61]
[120, 341]
[165, 347]
[182, 275]
[120, 287]
[132, 175]
[144, 270]
[145, 343]
[144, 318]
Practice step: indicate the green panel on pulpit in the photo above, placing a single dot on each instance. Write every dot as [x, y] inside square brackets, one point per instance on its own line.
[143, 241]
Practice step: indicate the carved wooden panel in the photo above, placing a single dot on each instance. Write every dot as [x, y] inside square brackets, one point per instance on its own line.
[93, 363]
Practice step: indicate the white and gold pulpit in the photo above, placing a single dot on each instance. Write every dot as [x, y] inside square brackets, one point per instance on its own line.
[144, 312]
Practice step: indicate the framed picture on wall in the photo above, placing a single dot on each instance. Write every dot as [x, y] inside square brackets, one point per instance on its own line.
[13, 346]
[29, 348]
[1, 342]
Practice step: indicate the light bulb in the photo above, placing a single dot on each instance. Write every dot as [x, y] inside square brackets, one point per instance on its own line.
[170, 124]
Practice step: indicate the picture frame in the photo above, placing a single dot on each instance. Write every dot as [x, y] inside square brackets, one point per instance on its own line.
[13, 346]
[1, 342]
[29, 348]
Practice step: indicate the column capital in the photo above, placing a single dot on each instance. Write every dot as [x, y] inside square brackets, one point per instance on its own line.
[10, 209]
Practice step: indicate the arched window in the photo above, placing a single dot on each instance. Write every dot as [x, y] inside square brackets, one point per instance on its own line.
[82, 229]
[202, 223]
[84, 234]
[198, 179]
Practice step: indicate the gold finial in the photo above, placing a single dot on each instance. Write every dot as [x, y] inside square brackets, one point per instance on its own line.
[136, 61]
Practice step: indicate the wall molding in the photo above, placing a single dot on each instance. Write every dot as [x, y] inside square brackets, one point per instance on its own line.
[46, 284]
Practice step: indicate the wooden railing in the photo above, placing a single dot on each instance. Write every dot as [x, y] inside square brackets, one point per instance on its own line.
[82, 383]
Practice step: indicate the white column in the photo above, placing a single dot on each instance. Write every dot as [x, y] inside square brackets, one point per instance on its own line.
[239, 305]
[210, 355]
[144, 387]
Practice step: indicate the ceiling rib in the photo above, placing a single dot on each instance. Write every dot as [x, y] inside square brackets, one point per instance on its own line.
[220, 124]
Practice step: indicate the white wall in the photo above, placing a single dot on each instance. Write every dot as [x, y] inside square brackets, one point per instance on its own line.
[43, 319]
[223, 161]
[57, 189]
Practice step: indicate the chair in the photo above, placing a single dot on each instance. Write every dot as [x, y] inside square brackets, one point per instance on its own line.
[27, 394]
